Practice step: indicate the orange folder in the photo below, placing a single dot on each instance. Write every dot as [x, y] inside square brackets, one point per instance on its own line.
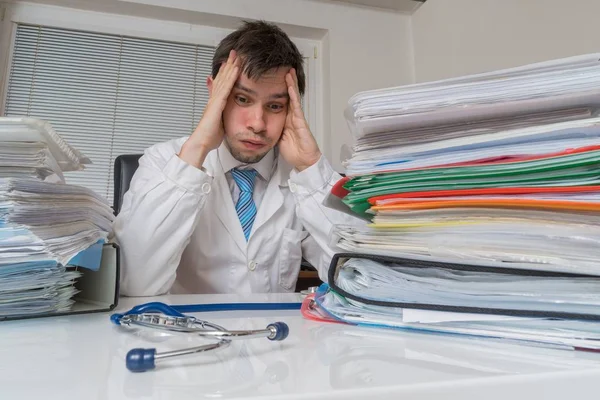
[493, 203]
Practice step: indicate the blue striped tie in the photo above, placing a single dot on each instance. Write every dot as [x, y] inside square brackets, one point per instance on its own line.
[245, 207]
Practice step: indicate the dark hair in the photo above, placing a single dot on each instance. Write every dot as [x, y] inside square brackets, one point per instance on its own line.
[263, 46]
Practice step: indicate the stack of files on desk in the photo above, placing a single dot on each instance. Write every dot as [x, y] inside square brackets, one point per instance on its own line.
[499, 168]
[46, 226]
[505, 197]
[498, 172]
[555, 90]
[559, 310]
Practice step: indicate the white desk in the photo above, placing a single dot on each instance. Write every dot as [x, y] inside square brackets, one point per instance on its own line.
[82, 358]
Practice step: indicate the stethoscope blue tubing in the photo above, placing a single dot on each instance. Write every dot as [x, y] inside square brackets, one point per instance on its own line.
[179, 310]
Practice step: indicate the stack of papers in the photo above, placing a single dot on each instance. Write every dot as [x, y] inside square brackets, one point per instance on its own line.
[32, 149]
[527, 93]
[498, 172]
[456, 178]
[546, 332]
[28, 160]
[528, 307]
[47, 227]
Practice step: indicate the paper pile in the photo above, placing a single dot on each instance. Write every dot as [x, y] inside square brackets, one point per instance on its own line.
[47, 227]
[484, 198]
[519, 189]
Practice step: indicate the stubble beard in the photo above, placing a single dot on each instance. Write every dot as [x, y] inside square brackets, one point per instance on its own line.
[246, 159]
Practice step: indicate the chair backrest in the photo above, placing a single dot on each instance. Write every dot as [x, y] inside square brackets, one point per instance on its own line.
[125, 167]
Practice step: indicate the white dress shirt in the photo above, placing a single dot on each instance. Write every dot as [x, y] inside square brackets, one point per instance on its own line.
[179, 232]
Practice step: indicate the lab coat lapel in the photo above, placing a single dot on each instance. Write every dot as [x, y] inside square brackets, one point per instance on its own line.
[226, 209]
[271, 202]
[273, 198]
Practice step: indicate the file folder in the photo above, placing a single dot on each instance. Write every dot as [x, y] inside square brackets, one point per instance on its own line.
[53, 256]
[98, 290]
[483, 196]
[340, 258]
[344, 300]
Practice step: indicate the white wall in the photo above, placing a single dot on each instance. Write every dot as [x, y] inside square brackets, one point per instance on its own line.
[458, 37]
[363, 48]
[360, 49]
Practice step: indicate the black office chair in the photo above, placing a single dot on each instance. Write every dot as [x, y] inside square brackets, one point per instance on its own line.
[125, 167]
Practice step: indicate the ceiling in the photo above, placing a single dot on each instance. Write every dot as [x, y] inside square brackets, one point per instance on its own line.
[403, 6]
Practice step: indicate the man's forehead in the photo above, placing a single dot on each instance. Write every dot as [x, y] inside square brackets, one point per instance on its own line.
[271, 82]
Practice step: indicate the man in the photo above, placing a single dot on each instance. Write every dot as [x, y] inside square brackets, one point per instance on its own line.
[235, 206]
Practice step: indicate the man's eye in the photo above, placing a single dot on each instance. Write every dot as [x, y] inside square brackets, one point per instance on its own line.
[276, 107]
[241, 100]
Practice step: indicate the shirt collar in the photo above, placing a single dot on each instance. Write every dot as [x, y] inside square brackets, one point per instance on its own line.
[264, 167]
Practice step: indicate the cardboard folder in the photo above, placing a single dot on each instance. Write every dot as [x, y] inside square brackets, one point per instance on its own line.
[99, 290]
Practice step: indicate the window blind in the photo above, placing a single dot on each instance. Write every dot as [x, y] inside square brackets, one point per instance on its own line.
[107, 94]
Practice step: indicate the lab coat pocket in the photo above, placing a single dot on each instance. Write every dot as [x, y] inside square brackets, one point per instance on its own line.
[290, 257]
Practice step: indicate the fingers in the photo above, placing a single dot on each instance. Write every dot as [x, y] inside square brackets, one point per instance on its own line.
[293, 92]
[230, 60]
[228, 74]
[295, 76]
[232, 56]
[232, 72]
[231, 66]
[290, 113]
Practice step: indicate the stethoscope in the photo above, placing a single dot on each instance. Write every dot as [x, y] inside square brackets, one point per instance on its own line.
[161, 316]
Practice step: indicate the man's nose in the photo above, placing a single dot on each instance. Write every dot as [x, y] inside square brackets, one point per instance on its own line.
[256, 120]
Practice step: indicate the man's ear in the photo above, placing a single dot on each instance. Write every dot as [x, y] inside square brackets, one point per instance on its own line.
[209, 85]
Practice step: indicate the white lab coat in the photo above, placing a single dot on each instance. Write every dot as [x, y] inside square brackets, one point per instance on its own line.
[179, 232]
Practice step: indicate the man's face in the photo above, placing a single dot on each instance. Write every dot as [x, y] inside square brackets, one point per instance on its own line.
[255, 115]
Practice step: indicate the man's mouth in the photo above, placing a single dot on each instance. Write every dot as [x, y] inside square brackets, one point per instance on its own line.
[252, 144]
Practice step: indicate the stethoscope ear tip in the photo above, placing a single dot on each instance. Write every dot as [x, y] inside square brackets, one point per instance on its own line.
[140, 360]
[280, 331]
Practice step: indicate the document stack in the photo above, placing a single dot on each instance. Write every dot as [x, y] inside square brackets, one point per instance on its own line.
[484, 199]
[48, 229]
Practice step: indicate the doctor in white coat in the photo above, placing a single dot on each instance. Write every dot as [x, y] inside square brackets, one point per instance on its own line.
[234, 207]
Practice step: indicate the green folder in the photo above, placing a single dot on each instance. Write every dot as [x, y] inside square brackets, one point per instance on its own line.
[576, 169]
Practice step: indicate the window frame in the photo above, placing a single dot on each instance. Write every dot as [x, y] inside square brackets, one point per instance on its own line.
[145, 28]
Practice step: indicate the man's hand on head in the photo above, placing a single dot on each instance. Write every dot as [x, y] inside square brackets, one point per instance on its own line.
[297, 145]
[209, 133]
